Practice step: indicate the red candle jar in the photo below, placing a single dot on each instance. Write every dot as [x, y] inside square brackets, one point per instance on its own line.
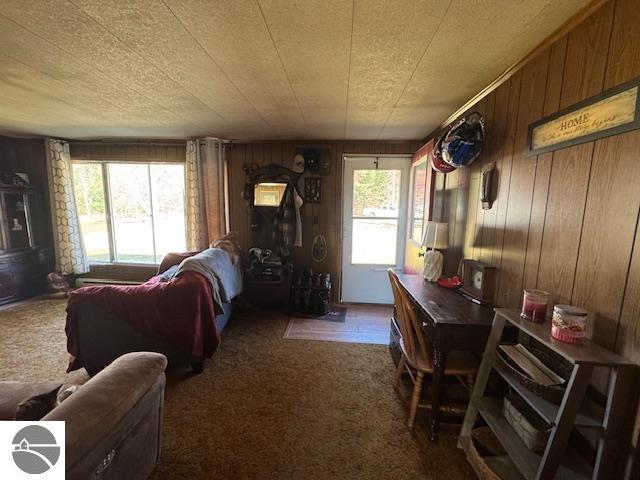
[534, 305]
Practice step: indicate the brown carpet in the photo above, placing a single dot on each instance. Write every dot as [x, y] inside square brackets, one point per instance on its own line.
[265, 408]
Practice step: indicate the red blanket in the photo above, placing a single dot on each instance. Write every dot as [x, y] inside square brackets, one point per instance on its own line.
[179, 312]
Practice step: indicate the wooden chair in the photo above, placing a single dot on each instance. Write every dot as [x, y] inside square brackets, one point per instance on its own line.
[416, 352]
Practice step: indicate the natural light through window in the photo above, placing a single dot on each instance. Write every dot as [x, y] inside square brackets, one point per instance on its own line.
[130, 212]
[418, 194]
[376, 208]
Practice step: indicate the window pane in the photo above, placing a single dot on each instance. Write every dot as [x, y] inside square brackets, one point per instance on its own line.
[416, 232]
[89, 190]
[374, 242]
[376, 193]
[418, 191]
[131, 211]
[167, 190]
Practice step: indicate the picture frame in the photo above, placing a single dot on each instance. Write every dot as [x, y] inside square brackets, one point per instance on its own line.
[313, 189]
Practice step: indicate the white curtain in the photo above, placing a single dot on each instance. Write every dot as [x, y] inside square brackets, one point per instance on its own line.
[67, 237]
[196, 230]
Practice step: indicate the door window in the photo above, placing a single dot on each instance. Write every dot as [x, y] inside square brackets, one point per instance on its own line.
[376, 207]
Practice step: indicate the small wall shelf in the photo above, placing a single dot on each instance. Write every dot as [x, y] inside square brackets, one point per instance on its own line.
[557, 461]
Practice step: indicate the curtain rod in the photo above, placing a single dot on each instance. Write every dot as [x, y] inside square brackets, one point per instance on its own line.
[214, 139]
[154, 144]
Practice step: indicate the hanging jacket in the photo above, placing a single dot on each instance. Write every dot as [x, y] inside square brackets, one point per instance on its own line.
[286, 223]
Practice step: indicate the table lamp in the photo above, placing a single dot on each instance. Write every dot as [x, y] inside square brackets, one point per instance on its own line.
[436, 237]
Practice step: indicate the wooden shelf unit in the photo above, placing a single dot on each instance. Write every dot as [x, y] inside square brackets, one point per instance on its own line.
[557, 461]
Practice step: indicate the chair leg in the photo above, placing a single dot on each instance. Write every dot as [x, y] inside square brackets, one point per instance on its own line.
[399, 370]
[415, 399]
[471, 378]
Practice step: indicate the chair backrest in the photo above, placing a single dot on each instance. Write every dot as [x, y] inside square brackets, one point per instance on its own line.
[413, 337]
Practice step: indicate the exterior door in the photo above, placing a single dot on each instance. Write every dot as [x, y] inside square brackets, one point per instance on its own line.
[421, 180]
[374, 225]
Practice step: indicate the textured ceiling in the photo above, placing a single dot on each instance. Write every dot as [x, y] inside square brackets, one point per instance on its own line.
[265, 69]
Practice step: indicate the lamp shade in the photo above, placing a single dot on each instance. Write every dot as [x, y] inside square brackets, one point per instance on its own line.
[436, 235]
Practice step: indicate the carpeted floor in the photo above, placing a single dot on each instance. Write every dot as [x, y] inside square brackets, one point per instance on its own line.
[265, 407]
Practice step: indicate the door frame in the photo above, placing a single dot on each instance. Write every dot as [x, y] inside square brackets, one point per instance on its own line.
[344, 158]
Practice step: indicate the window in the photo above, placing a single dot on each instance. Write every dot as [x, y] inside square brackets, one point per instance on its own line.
[375, 214]
[418, 190]
[130, 212]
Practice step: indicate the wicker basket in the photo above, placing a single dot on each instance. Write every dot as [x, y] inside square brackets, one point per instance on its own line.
[477, 462]
[529, 427]
[552, 393]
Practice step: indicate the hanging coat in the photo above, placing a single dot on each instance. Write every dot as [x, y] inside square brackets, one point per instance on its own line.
[287, 226]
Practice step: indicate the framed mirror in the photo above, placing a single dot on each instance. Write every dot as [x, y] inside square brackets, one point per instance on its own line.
[263, 190]
[268, 194]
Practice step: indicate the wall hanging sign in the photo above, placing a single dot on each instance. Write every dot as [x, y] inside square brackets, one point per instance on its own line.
[609, 113]
[312, 189]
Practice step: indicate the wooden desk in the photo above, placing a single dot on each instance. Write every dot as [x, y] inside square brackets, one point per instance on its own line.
[451, 322]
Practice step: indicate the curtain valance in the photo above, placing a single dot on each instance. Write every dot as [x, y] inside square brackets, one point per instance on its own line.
[128, 152]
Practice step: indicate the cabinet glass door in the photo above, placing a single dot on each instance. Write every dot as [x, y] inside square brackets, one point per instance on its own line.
[17, 219]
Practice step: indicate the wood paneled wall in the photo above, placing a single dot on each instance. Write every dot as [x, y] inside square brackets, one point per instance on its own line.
[564, 221]
[24, 155]
[323, 218]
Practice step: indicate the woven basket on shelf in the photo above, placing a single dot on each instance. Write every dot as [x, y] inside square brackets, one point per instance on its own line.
[477, 462]
[551, 393]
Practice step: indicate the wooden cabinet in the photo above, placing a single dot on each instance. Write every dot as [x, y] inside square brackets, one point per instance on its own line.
[268, 285]
[25, 260]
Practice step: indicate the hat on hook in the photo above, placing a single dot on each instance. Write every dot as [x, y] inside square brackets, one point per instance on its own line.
[298, 163]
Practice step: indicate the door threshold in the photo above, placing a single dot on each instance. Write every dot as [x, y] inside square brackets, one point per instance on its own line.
[362, 304]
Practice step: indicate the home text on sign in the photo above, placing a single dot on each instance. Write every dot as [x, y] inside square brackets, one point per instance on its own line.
[611, 112]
